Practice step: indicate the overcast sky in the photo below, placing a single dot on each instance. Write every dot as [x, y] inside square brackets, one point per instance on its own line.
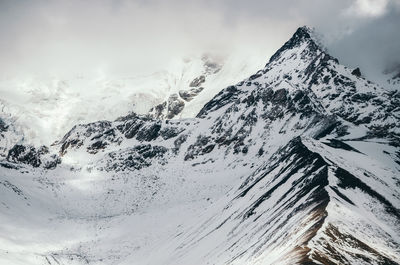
[129, 36]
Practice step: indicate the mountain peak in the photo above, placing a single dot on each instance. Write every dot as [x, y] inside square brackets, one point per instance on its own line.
[303, 34]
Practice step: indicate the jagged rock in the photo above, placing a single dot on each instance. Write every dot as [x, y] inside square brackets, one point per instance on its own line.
[135, 158]
[302, 162]
[149, 132]
[168, 109]
[223, 97]
[197, 81]
[170, 132]
[188, 95]
[96, 131]
[3, 126]
[301, 35]
[25, 155]
[159, 110]
[131, 125]
[53, 162]
[279, 96]
[202, 146]
[175, 106]
[179, 141]
[29, 155]
[356, 72]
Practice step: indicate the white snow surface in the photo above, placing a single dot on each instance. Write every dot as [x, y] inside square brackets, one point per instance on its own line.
[45, 107]
[256, 178]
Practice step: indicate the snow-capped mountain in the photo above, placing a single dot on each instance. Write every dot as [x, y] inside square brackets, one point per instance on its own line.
[297, 164]
[43, 108]
[190, 89]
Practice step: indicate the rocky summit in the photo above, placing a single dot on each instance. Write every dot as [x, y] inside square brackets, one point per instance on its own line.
[297, 164]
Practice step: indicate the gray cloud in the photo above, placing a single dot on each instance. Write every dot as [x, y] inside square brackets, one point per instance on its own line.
[374, 45]
[128, 36]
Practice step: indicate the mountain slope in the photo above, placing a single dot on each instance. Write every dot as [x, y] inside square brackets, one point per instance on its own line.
[45, 107]
[297, 164]
[301, 207]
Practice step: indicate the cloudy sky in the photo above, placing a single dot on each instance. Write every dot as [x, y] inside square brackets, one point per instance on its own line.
[128, 36]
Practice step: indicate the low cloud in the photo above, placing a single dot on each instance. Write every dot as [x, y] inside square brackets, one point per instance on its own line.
[63, 37]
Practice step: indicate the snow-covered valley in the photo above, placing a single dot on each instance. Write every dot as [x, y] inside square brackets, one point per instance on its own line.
[296, 163]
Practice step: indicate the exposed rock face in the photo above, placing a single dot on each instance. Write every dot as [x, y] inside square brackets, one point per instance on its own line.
[198, 81]
[26, 155]
[173, 106]
[309, 151]
[356, 72]
[29, 155]
[159, 111]
[168, 109]
[100, 134]
[136, 158]
[3, 126]
[188, 95]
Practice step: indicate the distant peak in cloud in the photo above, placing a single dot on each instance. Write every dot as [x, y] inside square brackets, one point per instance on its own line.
[141, 37]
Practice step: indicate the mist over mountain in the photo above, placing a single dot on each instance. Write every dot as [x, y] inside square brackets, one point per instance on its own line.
[59, 58]
[296, 164]
[65, 38]
[199, 132]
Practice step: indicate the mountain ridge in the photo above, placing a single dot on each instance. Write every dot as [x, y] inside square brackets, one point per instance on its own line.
[296, 164]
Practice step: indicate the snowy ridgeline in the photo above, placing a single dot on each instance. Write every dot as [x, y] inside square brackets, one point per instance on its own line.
[44, 108]
[297, 164]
